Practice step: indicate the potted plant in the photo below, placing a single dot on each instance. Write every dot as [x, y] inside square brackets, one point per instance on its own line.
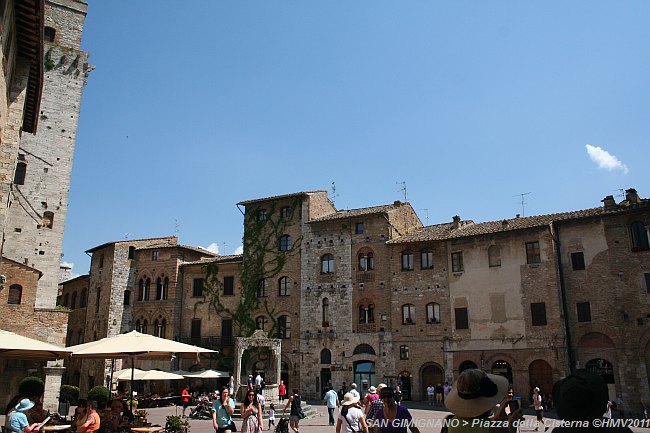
[177, 424]
[141, 415]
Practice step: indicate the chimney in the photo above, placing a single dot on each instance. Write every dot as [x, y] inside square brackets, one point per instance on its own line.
[609, 203]
[456, 222]
[632, 197]
[397, 203]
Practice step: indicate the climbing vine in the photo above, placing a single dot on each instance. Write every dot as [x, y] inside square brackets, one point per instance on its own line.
[262, 262]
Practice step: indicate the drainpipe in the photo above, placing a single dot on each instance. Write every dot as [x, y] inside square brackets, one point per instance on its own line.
[555, 234]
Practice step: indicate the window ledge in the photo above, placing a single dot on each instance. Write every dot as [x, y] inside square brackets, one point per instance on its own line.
[458, 274]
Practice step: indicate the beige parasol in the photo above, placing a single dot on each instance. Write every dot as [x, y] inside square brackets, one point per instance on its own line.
[13, 345]
[207, 374]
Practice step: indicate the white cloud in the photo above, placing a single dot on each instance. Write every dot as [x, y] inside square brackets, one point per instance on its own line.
[239, 250]
[604, 159]
[213, 248]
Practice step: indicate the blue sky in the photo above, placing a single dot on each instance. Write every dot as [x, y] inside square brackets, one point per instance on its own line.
[191, 110]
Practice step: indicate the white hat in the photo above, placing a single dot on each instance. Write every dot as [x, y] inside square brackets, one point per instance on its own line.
[354, 385]
[475, 392]
[349, 399]
[372, 390]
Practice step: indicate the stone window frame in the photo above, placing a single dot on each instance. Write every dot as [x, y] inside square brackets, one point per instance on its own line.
[284, 286]
[49, 34]
[533, 253]
[15, 294]
[426, 259]
[538, 314]
[325, 312]
[433, 313]
[144, 288]
[326, 356]
[457, 263]
[578, 261]
[461, 318]
[154, 255]
[639, 234]
[284, 212]
[359, 228]
[126, 298]
[408, 314]
[284, 326]
[261, 215]
[48, 219]
[366, 260]
[261, 322]
[583, 312]
[494, 256]
[262, 291]
[327, 263]
[21, 173]
[195, 325]
[229, 289]
[403, 352]
[407, 260]
[160, 327]
[162, 287]
[284, 243]
[366, 313]
[197, 288]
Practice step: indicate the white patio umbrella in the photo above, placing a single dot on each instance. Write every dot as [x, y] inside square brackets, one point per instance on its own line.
[133, 345]
[13, 345]
[125, 374]
[207, 374]
[152, 375]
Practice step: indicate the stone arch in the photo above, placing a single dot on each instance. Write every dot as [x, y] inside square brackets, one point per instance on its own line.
[430, 373]
[259, 339]
[540, 374]
[364, 349]
[595, 345]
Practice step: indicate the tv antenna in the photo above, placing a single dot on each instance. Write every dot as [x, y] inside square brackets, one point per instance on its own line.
[334, 194]
[426, 216]
[523, 202]
[621, 192]
[403, 189]
[224, 248]
[176, 227]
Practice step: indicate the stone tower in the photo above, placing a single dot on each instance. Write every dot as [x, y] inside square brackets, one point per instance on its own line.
[36, 219]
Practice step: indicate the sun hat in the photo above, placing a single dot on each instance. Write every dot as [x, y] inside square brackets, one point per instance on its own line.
[354, 385]
[349, 399]
[582, 395]
[475, 392]
[25, 404]
[381, 386]
[372, 390]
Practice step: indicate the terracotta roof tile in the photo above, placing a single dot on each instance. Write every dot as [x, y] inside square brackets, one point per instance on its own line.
[219, 259]
[354, 213]
[278, 197]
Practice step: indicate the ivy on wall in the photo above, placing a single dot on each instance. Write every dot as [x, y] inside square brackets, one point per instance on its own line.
[262, 263]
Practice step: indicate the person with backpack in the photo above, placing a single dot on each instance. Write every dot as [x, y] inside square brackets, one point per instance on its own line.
[351, 418]
[296, 413]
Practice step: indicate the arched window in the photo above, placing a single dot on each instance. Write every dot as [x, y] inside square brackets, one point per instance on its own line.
[284, 327]
[327, 264]
[283, 287]
[325, 312]
[161, 288]
[366, 261]
[15, 294]
[143, 292]
[260, 323]
[162, 330]
[82, 301]
[364, 349]
[494, 256]
[426, 259]
[73, 302]
[145, 326]
[408, 314]
[407, 261]
[127, 297]
[66, 298]
[366, 313]
[48, 220]
[49, 33]
[325, 356]
[155, 327]
[639, 236]
[21, 172]
[433, 312]
[285, 243]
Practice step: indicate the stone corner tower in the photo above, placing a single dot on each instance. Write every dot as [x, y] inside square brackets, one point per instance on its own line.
[36, 219]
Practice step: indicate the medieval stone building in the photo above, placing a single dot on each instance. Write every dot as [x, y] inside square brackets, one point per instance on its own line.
[370, 295]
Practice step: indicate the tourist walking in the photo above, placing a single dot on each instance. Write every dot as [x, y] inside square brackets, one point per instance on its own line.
[185, 397]
[351, 418]
[251, 413]
[223, 409]
[539, 408]
[331, 399]
[431, 393]
[271, 415]
[353, 391]
[296, 413]
[376, 406]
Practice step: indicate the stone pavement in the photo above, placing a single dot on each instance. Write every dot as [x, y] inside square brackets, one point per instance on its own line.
[428, 418]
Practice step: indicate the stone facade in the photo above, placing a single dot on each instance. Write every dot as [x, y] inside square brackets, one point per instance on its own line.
[36, 220]
[369, 295]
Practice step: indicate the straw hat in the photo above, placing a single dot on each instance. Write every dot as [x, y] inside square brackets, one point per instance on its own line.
[372, 390]
[475, 392]
[349, 399]
[381, 386]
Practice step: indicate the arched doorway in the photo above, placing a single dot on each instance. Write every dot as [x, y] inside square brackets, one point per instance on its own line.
[466, 365]
[604, 369]
[259, 367]
[404, 382]
[431, 375]
[364, 374]
[325, 371]
[540, 374]
[502, 368]
[284, 374]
